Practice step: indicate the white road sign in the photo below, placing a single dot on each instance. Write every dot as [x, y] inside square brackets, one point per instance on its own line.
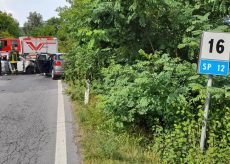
[215, 46]
[214, 54]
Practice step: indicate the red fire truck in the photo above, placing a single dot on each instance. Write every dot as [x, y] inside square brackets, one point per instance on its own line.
[28, 48]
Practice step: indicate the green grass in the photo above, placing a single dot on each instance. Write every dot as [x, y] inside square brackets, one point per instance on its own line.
[100, 144]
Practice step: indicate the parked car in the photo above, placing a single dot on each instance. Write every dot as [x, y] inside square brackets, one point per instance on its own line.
[57, 69]
[51, 64]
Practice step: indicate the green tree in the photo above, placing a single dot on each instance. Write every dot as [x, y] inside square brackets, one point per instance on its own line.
[205, 16]
[48, 28]
[117, 29]
[9, 27]
[34, 20]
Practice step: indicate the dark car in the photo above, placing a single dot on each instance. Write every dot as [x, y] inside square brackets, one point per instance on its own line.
[51, 64]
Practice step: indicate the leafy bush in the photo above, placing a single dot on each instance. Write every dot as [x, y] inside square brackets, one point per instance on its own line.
[165, 97]
[101, 144]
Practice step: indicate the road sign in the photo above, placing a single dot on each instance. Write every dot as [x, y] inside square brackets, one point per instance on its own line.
[213, 60]
[214, 54]
[213, 67]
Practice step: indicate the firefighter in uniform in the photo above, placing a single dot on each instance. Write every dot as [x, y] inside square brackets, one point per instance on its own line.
[13, 58]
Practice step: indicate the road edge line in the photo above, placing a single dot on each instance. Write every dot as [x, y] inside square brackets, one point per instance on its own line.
[61, 152]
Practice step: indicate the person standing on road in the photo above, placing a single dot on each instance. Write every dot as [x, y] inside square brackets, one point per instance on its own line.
[13, 58]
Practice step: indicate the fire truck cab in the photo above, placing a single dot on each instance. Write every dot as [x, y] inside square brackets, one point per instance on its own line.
[6, 45]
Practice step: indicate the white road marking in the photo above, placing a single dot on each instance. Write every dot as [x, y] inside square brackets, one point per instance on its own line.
[60, 154]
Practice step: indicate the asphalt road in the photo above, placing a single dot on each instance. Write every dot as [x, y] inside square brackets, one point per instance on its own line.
[30, 130]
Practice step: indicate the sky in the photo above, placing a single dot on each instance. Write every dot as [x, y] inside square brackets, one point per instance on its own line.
[20, 8]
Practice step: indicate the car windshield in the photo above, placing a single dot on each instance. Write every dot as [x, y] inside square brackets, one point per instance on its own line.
[59, 57]
[42, 57]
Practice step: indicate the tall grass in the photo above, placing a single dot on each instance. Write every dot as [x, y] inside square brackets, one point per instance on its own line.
[101, 144]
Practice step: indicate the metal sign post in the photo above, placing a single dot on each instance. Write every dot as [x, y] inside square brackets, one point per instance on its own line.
[205, 121]
[213, 60]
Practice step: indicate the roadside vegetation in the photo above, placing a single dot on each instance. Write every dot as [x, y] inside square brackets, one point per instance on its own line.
[101, 144]
[141, 60]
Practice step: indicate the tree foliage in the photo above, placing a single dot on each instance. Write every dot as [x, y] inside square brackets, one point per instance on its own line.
[34, 21]
[47, 28]
[9, 27]
[118, 29]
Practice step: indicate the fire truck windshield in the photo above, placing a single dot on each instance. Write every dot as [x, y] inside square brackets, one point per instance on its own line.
[14, 43]
[3, 43]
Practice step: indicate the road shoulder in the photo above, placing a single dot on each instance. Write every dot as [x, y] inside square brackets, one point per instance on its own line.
[73, 151]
